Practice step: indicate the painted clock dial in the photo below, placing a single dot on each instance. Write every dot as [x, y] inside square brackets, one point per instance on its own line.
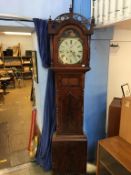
[70, 51]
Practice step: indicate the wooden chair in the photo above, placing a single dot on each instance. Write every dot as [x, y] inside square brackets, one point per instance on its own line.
[2, 99]
[19, 79]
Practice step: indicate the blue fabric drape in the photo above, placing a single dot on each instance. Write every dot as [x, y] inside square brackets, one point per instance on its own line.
[43, 156]
[41, 27]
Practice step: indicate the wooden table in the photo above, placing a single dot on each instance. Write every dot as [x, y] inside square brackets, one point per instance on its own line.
[4, 82]
[114, 157]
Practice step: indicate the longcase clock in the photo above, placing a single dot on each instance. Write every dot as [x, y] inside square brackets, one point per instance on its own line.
[70, 52]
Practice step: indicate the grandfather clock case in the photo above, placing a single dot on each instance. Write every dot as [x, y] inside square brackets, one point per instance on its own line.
[70, 53]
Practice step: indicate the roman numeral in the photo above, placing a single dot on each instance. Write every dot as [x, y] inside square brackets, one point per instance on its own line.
[61, 51]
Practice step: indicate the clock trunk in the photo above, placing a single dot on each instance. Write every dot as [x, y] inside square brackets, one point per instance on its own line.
[69, 102]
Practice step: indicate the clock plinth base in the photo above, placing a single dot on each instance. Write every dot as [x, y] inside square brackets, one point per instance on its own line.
[69, 154]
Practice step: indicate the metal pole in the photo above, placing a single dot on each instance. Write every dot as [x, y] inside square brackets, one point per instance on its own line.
[13, 19]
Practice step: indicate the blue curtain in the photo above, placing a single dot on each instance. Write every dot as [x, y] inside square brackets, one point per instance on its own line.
[43, 156]
[41, 27]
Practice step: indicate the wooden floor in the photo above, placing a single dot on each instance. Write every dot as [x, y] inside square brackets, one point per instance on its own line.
[15, 118]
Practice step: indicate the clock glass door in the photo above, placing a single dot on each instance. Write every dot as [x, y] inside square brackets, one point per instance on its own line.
[70, 49]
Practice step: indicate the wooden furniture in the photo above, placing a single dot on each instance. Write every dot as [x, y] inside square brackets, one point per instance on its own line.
[4, 83]
[125, 122]
[1, 62]
[69, 154]
[1, 95]
[17, 64]
[27, 66]
[7, 75]
[114, 157]
[70, 52]
[10, 61]
[114, 117]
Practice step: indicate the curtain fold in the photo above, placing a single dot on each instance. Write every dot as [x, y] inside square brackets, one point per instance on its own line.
[43, 156]
[41, 27]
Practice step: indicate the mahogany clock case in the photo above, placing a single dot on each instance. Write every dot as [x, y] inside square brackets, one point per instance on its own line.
[58, 32]
[69, 103]
[69, 145]
[69, 154]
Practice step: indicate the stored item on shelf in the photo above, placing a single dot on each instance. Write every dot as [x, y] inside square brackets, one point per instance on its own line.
[9, 52]
[26, 69]
[26, 62]
[12, 61]
[1, 50]
[16, 50]
[28, 53]
[1, 62]
[13, 51]
[18, 62]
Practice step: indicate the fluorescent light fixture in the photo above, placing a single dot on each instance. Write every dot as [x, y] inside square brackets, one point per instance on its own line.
[17, 33]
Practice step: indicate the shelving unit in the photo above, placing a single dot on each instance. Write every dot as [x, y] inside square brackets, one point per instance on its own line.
[19, 64]
[114, 157]
[10, 61]
[27, 67]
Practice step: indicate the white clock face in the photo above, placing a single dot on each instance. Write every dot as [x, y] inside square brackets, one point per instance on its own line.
[70, 51]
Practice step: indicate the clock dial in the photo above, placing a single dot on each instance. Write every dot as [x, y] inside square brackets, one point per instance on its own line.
[70, 51]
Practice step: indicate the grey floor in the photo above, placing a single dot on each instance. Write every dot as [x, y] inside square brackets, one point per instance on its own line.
[15, 121]
[15, 118]
[25, 169]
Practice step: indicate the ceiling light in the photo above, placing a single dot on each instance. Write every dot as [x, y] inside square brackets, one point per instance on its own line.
[17, 33]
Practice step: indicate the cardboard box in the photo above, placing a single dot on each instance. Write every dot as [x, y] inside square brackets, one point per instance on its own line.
[125, 122]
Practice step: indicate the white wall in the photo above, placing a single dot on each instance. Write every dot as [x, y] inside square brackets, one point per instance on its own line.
[34, 8]
[119, 63]
[12, 40]
[40, 88]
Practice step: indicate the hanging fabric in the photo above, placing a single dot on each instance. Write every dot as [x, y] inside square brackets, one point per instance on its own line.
[41, 27]
[43, 156]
